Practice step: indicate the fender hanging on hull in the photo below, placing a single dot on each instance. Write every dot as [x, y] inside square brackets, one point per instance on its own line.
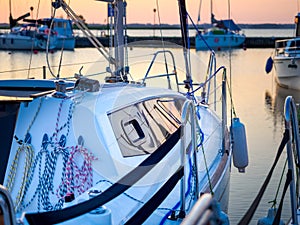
[239, 149]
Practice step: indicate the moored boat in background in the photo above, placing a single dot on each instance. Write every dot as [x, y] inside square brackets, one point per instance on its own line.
[35, 35]
[223, 34]
[286, 60]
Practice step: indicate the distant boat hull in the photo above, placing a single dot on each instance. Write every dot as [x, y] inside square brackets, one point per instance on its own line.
[287, 63]
[18, 42]
[67, 43]
[287, 71]
[219, 41]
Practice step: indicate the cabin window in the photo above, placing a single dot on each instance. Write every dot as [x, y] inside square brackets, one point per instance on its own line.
[3, 41]
[58, 24]
[61, 24]
[142, 127]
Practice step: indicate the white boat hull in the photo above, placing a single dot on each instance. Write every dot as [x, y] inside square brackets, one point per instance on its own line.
[287, 72]
[92, 118]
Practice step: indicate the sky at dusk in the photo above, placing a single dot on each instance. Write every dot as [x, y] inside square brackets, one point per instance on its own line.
[142, 11]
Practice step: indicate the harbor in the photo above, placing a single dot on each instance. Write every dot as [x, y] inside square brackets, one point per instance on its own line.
[148, 126]
[258, 100]
[257, 97]
[250, 42]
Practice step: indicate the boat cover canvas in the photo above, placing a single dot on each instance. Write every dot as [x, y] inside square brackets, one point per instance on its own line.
[228, 24]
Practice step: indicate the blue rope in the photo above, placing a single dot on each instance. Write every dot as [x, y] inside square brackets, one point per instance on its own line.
[201, 85]
[200, 130]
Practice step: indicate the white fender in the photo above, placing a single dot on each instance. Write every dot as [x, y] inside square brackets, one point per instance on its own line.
[239, 149]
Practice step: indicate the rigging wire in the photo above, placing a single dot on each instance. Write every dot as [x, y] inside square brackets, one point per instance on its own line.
[186, 46]
[232, 111]
[9, 7]
[163, 42]
[199, 11]
[61, 51]
[294, 31]
[199, 33]
[48, 42]
[126, 37]
[274, 201]
[60, 60]
[33, 39]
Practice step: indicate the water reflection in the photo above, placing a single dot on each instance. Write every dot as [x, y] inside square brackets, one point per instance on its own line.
[275, 102]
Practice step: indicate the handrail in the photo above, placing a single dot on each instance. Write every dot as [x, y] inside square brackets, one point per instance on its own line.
[188, 112]
[291, 123]
[203, 212]
[282, 47]
[7, 207]
[211, 70]
[174, 73]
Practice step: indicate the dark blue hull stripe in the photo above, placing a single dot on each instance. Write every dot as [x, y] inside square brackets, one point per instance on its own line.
[149, 207]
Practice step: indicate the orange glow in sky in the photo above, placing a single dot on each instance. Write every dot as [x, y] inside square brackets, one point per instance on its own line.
[142, 11]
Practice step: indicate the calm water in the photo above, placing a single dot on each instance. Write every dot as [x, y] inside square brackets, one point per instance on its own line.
[262, 118]
[247, 32]
[177, 32]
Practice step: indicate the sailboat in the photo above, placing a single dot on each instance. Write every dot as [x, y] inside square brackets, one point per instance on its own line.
[54, 33]
[222, 34]
[118, 151]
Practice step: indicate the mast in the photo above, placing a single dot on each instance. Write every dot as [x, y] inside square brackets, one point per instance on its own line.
[297, 25]
[184, 34]
[12, 21]
[10, 16]
[211, 12]
[119, 37]
[117, 11]
[229, 9]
